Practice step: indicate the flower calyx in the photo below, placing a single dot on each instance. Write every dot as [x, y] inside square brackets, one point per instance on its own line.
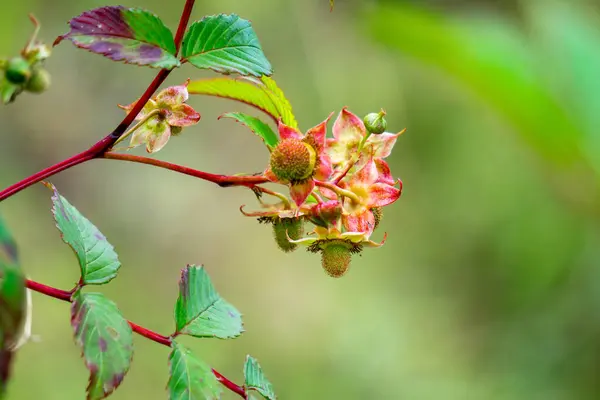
[163, 116]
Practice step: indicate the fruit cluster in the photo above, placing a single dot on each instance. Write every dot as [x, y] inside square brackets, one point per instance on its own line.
[338, 184]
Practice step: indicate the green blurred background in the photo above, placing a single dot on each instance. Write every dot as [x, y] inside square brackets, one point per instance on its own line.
[488, 286]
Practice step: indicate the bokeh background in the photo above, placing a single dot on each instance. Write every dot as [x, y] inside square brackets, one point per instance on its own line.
[489, 284]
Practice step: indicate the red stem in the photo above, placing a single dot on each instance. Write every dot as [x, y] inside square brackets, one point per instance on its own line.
[221, 180]
[235, 388]
[183, 23]
[65, 295]
[98, 149]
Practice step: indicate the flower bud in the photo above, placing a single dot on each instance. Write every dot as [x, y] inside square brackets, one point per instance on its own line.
[18, 70]
[375, 122]
[287, 227]
[39, 81]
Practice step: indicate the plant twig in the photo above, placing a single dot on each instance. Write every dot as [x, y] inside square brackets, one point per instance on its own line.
[102, 146]
[338, 190]
[221, 180]
[66, 295]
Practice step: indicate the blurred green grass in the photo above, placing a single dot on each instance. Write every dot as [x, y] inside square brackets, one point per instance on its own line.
[488, 285]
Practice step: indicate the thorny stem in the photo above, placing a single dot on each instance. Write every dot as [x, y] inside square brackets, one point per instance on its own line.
[137, 126]
[338, 190]
[66, 295]
[105, 144]
[221, 180]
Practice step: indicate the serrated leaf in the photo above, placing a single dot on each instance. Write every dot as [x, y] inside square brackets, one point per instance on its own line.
[257, 126]
[200, 311]
[281, 102]
[132, 35]
[264, 95]
[106, 340]
[189, 377]
[97, 258]
[225, 44]
[255, 379]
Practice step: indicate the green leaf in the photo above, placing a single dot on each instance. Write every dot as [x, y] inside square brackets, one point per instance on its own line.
[131, 35]
[8, 246]
[106, 340]
[225, 44]
[261, 129]
[97, 258]
[13, 304]
[264, 95]
[281, 102]
[255, 379]
[189, 377]
[12, 316]
[8, 91]
[200, 311]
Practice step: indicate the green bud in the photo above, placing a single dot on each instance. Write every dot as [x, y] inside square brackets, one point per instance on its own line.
[18, 70]
[375, 122]
[39, 81]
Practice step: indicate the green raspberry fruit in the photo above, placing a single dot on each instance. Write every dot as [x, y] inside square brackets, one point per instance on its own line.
[284, 227]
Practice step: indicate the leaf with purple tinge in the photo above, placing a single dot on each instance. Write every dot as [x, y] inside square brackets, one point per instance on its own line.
[131, 35]
[106, 340]
[200, 311]
[97, 258]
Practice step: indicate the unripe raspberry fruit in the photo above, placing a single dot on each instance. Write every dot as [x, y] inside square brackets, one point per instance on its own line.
[335, 257]
[375, 122]
[293, 160]
[284, 227]
[18, 70]
[39, 81]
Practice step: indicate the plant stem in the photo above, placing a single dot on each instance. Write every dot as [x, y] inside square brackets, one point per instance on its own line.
[65, 295]
[338, 190]
[230, 385]
[221, 180]
[98, 149]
